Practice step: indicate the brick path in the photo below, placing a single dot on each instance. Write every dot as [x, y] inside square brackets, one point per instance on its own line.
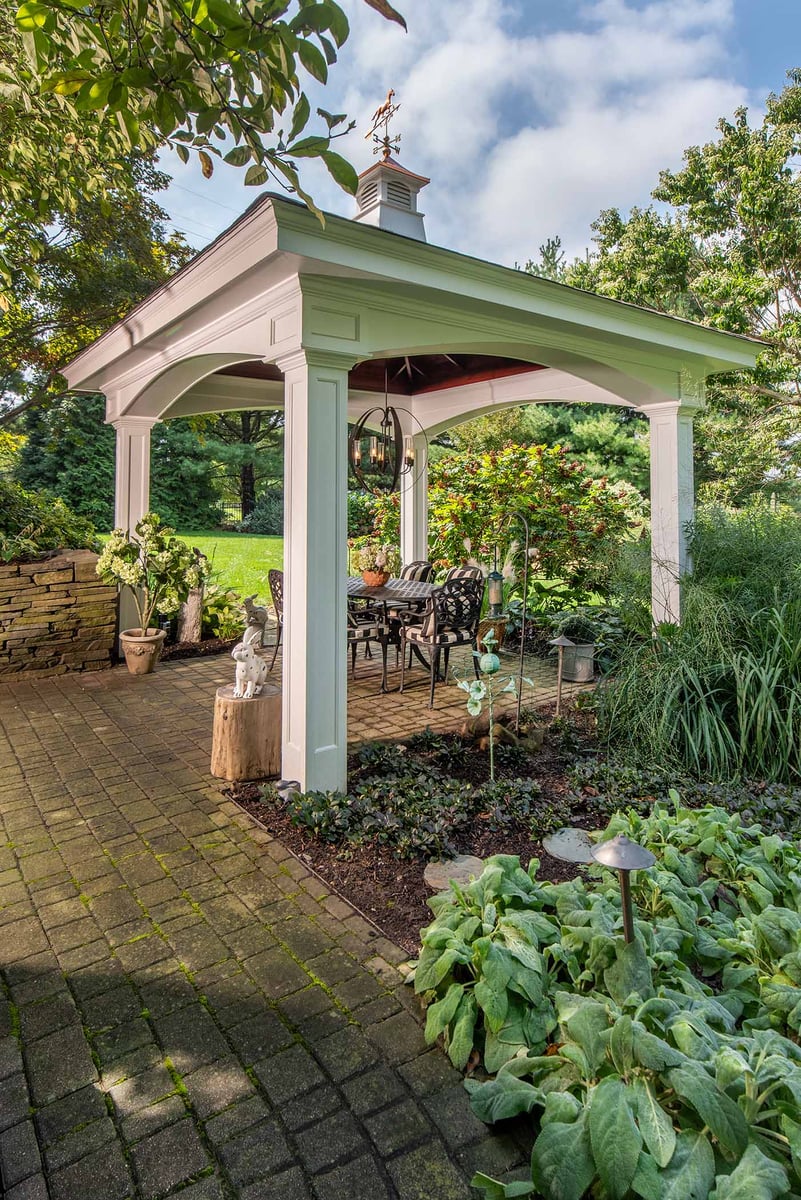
[184, 1008]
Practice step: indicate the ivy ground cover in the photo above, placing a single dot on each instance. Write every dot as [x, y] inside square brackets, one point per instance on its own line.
[668, 1069]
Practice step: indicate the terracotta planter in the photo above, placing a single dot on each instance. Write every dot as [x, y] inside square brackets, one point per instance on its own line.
[142, 653]
[375, 578]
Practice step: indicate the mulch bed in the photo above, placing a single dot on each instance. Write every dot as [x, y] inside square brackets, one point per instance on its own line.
[197, 649]
[390, 891]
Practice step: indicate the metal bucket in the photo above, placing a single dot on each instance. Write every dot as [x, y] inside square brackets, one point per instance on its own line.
[578, 665]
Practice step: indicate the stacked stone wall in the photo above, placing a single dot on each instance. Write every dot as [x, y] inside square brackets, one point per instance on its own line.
[56, 616]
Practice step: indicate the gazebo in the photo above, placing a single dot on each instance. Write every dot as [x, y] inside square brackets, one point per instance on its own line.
[283, 311]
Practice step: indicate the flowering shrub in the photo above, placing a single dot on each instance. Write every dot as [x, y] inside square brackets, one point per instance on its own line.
[572, 518]
[159, 569]
[369, 555]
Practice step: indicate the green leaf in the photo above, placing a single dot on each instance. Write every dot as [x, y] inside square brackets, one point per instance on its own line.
[460, 1041]
[585, 1026]
[300, 117]
[313, 60]
[562, 1166]
[629, 972]
[341, 171]
[620, 1041]
[691, 1172]
[655, 1125]
[717, 1110]
[432, 966]
[616, 1140]
[238, 156]
[440, 1015]
[494, 1003]
[505, 1096]
[756, 1177]
[309, 147]
[647, 1181]
[653, 1052]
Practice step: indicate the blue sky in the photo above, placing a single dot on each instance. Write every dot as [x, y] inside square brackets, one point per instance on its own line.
[530, 117]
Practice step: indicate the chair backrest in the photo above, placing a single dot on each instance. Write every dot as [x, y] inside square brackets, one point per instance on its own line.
[456, 604]
[420, 571]
[276, 581]
[464, 573]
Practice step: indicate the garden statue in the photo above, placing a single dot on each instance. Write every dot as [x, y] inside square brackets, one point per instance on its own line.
[256, 616]
[251, 671]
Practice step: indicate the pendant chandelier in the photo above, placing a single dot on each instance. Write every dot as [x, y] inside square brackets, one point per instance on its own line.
[378, 451]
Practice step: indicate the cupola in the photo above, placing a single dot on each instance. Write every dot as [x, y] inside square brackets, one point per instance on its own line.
[387, 192]
[387, 197]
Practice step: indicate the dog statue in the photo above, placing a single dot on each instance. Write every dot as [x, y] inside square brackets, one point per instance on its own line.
[251, 671]
[256, 616]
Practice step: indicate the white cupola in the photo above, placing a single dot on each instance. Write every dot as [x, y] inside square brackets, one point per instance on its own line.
[387, 197]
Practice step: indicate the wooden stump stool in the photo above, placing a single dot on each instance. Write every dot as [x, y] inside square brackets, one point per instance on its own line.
[247, 735]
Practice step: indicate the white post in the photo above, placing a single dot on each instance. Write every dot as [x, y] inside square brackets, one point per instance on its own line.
[414, 506]
[131, 490]
[314, 742]
[132, 483]
[672, 503]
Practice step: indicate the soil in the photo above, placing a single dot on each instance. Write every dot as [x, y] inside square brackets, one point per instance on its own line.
[197, 649]
[391, 891]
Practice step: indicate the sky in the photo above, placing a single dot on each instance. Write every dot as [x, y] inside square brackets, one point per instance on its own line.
[529, 116]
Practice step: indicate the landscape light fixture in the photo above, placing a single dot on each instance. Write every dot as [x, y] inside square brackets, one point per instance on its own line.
[560, 642]
[624, 856]
[378, 460]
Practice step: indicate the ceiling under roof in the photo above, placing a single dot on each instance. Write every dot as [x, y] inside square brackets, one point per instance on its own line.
[410, 374]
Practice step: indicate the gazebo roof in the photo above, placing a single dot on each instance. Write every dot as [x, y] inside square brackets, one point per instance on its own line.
[277, 238]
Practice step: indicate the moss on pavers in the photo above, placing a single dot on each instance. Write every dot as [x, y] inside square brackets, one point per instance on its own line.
[252, 993]
[428, 1174]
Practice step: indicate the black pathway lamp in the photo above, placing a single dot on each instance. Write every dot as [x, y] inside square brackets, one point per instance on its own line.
[624, 856]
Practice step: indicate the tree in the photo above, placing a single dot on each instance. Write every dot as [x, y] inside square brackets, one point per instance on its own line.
[248, 445]
[70, 453]
[726, 252]
[611, 443]
[100, 80]
[94, 266]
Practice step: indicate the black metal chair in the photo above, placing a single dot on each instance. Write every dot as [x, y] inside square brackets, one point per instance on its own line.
[365, 626]
[275, 579]
[450, 619]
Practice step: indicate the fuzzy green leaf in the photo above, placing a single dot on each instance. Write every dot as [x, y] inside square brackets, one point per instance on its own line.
[655, 1125]
[755, 1177]
[616, 1140]
[562, 1165]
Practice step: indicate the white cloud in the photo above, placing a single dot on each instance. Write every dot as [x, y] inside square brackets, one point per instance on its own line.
[525, 130]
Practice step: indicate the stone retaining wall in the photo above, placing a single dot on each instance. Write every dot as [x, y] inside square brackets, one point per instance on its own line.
[56, 616]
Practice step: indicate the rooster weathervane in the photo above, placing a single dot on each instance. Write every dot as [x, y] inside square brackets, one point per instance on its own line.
[384, 145]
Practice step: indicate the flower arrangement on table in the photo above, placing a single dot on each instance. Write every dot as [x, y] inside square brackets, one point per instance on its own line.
[159, 569]
[374, 560]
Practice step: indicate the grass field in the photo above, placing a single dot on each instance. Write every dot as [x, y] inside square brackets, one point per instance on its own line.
[240, 560]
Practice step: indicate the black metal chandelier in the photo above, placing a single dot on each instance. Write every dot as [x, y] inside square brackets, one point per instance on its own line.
[379, 459]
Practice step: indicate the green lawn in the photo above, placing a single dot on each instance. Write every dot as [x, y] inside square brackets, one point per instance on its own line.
[240, 560]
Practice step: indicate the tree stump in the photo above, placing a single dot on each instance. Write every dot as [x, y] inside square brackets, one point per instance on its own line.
[247, 735]
[190, 617]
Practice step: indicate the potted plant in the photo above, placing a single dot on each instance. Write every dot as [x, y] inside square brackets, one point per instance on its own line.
[375, 561]
[578, 664]
[160, 570]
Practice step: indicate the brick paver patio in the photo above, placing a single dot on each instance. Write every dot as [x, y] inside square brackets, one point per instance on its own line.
[186, 1009]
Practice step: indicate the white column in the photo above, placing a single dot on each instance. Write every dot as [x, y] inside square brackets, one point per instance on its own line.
[132, 483]
[672, 504]
[414, 506]
[131, 490]
[314, 745]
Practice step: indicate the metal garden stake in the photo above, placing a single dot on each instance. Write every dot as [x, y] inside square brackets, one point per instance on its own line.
[624, 856]
[560, 643]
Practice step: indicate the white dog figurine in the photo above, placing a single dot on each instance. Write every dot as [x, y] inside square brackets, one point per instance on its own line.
[251, 671]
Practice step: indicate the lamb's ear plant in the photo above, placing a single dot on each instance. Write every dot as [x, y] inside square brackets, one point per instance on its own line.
[667, 1069]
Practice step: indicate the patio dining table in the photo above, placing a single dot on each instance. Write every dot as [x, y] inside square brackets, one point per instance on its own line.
[394, 591]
